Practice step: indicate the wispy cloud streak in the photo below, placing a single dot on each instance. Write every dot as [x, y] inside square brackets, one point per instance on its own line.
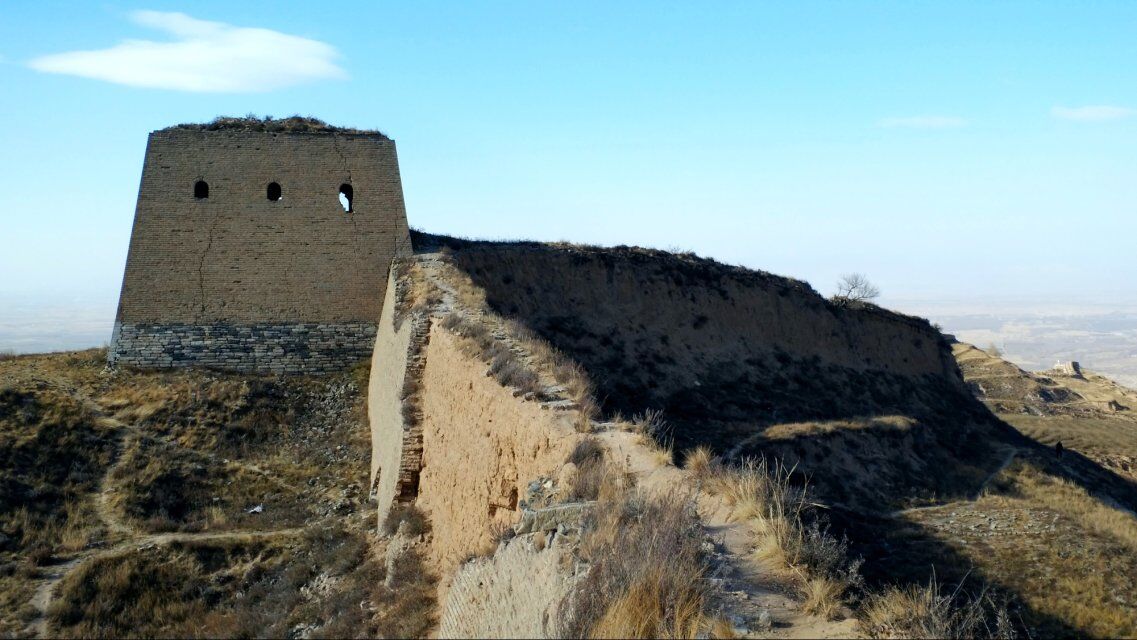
[1092, 113]
[203, 56]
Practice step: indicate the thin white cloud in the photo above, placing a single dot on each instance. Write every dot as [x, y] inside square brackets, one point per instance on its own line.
[203, 57]
[1092, 113]
[922, 122]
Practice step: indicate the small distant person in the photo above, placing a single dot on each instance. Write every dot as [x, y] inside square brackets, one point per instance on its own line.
[1058, 448]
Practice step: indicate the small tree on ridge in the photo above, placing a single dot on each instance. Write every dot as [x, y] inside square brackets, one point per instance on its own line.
[854, 287]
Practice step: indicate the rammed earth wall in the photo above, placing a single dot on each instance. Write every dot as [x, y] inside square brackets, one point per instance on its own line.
[238, 280]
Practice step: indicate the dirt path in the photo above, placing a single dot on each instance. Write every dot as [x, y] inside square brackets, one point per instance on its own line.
[757, 603]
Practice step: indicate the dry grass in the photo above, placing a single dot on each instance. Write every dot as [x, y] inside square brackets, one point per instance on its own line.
[195, 449]
[252, 122]
[805, 429]
[592, 470]
[648, 574]
[1100, 434]
[642, 612]
[414, 294]
[790, 535]
[701, 463]
[468, 294]
[263, 588]
[505, 364]
[52, 453]
[928, 612]
[524, 370]
[1075, 503]
[207, 447]
[577, 384]
[654, 434]
[510, 371]
[1068, 557]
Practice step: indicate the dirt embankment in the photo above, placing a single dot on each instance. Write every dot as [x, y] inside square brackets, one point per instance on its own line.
[726, 353]
[718, 349]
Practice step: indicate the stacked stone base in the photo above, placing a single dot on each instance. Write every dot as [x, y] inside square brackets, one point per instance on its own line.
[255, 348]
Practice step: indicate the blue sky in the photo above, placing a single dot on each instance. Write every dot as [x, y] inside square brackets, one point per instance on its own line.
[948, 150]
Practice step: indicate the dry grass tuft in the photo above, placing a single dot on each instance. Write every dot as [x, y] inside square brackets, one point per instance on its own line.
[790, 534]
[592, 471]
[824, 596]
[927, 612]
[642, 612]
[648, 573]
[722, 628]
[587, 451]
[654, 434]
[701, 462]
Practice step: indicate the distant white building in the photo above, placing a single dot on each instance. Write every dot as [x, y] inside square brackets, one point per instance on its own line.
[1071, 368]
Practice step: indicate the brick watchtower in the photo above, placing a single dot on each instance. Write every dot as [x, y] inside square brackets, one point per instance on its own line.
[260, 246]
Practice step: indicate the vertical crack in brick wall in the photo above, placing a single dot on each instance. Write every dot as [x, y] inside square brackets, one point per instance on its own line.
[201, 263]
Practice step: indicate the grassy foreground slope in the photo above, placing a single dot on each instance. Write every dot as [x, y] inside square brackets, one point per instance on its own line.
[190, 504]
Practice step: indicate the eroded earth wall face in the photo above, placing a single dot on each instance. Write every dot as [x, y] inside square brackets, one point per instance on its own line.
[720, 350]
[481, 448]
[241, 281]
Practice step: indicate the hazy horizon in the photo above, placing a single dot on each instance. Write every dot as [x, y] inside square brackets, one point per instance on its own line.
[1032, 333]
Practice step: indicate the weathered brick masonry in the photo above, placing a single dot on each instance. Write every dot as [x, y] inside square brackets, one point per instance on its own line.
[236, 280]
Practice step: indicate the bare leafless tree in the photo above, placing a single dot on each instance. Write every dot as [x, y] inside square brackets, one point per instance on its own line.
[855, 287]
